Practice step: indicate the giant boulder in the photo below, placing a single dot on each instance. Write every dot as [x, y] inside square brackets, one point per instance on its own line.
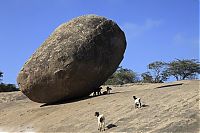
[78, 57]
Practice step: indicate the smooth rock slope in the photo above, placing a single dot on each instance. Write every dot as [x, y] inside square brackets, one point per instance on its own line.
[172, 109]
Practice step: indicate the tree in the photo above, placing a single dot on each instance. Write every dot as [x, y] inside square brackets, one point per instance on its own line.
[122, 76]
[6, 87]
[184, 69]
[1, 75]
[147, 77]
[158, 69]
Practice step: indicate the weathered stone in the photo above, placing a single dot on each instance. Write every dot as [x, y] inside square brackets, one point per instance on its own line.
[78, 56]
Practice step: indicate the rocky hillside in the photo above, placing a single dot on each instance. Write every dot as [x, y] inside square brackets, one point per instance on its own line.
[167, 107]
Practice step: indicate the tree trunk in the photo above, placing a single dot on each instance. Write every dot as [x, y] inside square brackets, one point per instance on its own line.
[176, 78]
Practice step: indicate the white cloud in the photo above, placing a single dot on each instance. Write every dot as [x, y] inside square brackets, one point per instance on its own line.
[149, 24]
[183, 39]
[133, 30]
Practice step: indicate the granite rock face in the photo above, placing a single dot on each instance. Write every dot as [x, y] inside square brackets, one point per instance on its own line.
[76, 58]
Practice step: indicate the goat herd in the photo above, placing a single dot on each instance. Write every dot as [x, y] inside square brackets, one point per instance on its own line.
[100, 117]
[97, 91]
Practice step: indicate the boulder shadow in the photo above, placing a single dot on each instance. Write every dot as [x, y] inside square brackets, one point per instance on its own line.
[116, 92]
[64, 101]
[106, 94]
[110, 93]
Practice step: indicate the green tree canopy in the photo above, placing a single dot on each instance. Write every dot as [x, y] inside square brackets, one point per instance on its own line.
[147, 77]
[1, 75]
[184, 69]
[158, 68]
[6, 87]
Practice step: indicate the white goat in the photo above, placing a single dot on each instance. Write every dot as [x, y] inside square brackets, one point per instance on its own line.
[137, 102]
[101, 121]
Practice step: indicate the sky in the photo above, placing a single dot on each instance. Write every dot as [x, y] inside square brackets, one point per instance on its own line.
[156, 30]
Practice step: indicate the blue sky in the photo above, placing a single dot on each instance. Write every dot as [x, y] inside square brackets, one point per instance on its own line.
[156, 30]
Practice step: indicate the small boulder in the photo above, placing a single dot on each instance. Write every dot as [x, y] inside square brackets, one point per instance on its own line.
[78, 56]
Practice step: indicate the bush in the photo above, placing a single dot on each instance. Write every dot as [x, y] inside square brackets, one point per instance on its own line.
[8, 87]
[147, 77]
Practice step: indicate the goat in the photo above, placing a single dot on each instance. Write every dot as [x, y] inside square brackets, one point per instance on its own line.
[105, 92]
[137, 102]
[97, 91]
[101, 121]
[108, 90]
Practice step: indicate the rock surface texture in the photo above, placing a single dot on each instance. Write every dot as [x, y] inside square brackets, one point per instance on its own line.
[78, 57]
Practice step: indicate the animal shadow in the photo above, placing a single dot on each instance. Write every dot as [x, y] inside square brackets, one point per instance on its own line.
[111, 126]
[145, 105]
